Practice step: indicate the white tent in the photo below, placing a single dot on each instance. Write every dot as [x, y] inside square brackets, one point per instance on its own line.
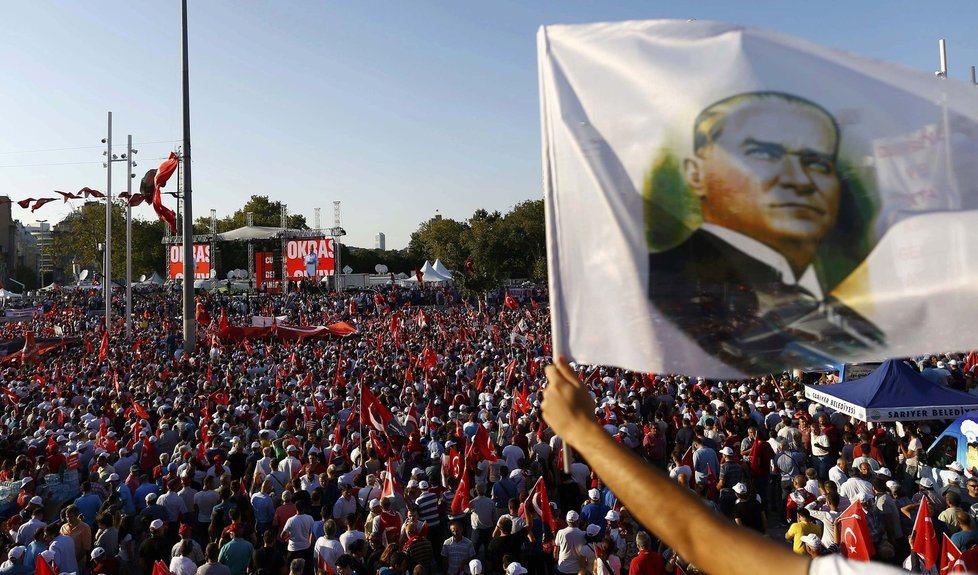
[7, 294]
[442, 270]
[155, 280]
[430, 274]
[246, 233]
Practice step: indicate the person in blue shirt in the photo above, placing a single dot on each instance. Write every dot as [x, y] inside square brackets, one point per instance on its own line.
[504, 489]
[116, 484]
[145, 488]
[236, 553]
[594, 511]
[88, 503]
[966, 535]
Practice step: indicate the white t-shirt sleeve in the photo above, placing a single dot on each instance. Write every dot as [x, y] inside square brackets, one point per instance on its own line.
[836, 565]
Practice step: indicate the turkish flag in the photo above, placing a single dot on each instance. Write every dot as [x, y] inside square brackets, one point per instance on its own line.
[971, 361]
[482, 447]
[160, 568]
[510, 372]
[247, 346]
[140, 410]
[461, 500]
[41, 567]
[159, 179]
[453, 467]
[86, 191]
[375, 414]
[856, 542]
[420, 275]
[391, 485]
[40, 202]
[510, 302]
[412, 423]
[470, 265]
[951, 561]
[103, 350]
[25, 203]
[541, 504]
[222, 323]
[925, 536]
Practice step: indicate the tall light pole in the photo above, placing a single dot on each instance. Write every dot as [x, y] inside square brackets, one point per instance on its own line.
[107, 254]
[130, 165]
[189, 321]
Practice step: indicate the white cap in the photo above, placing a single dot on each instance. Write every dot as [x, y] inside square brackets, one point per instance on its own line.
[927, 483]
[612, 515]
[374, 503]
[36, 500]
[16, 552]
[592, 530]
[423, 485]
[740, 489]
[150, 497]
[594, 494]
[726, 451]
[956, 466]
[475, 567]
[891, 485]
[572, 516]
[515, 568]
[114, 477]
[97, 552]
[516, 474]
[156, 525]
[884, 472]
[812, 540]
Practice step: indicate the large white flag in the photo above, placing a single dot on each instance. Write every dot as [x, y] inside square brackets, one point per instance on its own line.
[723, 200]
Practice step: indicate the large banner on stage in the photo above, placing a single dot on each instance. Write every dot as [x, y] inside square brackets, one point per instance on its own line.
[202, 261]
[724, 201]
[309, 258]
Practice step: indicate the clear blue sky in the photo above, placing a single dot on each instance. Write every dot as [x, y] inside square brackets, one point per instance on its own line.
[395, 108]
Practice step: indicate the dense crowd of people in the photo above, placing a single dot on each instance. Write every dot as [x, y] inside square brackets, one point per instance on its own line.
[414, 445]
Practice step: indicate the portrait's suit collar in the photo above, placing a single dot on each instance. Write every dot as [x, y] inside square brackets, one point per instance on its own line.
[768, 257]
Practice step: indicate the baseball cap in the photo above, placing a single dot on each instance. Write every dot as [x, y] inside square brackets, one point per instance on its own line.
[956, 466]
[374, 503]
[884, 472]
[740, 489]
[423, 485]
[726, 451]
[36, 500]
[594, 494]
[516, 474]
[185, 528]
[592, 530]
[156, 525]
[17, 552]
[572, 516]
[611, 515]
[927, 483]
[891, 485]
[475, 567]
[515, 568]
[97, 552]
[114, 477]
[150, 497]
[811, 540]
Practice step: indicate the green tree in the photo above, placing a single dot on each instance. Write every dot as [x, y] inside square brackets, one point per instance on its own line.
[77, 238]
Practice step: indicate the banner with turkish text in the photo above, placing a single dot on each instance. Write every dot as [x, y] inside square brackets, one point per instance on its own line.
[306, 256]
[202, 261]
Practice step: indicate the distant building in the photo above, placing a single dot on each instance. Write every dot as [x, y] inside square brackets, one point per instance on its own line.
[381, 241]
[43, 233]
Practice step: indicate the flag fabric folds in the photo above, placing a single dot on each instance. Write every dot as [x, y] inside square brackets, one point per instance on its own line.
[855, 539]
[159, 179]
[697, 268]
[925, 536]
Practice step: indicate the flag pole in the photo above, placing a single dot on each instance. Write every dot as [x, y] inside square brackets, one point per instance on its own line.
[189, 321]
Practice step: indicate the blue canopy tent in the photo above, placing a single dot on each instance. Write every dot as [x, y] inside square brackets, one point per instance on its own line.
[893, 392]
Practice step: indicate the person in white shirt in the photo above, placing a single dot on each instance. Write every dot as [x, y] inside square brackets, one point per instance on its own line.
[328, 548]
[298, 532]
[182, 564]
[291, 464]
[172, 502]
[838, 473]
[351, 534]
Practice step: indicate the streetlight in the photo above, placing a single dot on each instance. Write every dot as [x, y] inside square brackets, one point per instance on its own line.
[40, 259]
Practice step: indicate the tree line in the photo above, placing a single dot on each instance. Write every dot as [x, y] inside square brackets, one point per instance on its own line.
[499, 246]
